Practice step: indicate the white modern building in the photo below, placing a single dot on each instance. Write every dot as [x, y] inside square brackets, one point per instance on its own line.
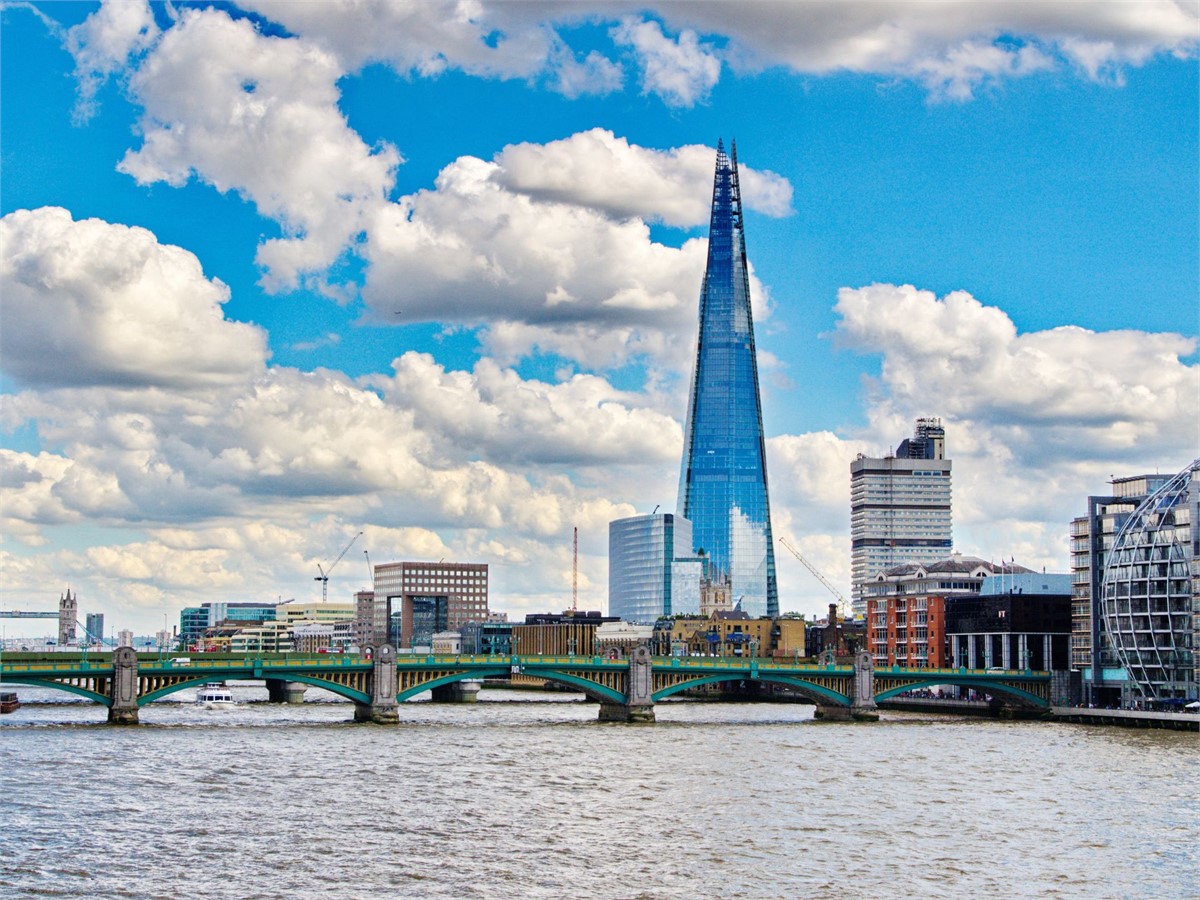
[900, 510]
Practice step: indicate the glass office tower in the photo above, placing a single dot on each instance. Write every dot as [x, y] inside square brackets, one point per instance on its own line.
[641, 567]
[723, 478]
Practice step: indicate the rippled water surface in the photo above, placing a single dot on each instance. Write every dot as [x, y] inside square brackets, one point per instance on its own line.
[526, 795]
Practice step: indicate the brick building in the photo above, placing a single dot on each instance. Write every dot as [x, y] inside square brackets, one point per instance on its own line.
[906, 608]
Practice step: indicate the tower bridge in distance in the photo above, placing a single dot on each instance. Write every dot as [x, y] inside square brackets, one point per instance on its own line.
[626, 689]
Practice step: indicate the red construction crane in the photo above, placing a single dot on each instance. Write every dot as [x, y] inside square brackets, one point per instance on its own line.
[575, 572]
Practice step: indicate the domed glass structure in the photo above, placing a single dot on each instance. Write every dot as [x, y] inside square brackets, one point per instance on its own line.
[1150, 599]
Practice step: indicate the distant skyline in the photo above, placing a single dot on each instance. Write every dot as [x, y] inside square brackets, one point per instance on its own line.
[276, 273]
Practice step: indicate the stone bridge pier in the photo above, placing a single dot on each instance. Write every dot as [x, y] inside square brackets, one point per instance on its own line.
[639, 695]
[862, 706]
[383, 686]
[280, 691]
[124, 688]
[459, 692]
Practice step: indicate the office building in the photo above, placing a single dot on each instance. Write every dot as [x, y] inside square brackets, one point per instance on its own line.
[651, 569]
[572, 633]
[1020, 620]
[365, 624]
[312, 637]
[1105, 682]
[290, 613]
[94, 626]
[899, 508]
[723, 475]
[430, 597]
[1149, 598]
[492, 638]
[221, 613]
[267, 637]
[196, 622]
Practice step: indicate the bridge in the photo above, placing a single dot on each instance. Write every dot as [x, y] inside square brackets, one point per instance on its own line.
[626, 689]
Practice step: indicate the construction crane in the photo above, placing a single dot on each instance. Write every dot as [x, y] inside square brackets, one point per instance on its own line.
[575, 572]
[841, 601]
[370, 569]
[324, 576]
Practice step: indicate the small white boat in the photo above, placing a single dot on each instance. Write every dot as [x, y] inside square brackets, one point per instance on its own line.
[215, 695]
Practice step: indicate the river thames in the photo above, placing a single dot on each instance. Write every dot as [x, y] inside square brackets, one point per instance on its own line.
[526, 795]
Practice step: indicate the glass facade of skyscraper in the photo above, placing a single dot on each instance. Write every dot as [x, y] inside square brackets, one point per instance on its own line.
[723, 477]
[641, 553]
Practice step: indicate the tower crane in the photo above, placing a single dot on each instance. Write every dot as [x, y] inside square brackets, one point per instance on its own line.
[841, 601]
[324, 576]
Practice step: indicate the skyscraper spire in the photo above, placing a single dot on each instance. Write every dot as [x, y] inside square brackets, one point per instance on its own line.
[723, 476]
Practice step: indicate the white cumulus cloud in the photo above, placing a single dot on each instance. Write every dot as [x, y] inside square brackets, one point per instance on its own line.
[89, 302]
[606, 173]
[951, 48]
[103, 44]
[536, 245]
[1035, 422]
[680, 71]
[259, 116]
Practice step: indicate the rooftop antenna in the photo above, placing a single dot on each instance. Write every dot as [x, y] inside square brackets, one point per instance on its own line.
[575, 571]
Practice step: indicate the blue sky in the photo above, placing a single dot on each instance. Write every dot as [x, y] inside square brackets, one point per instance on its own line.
[277, 273]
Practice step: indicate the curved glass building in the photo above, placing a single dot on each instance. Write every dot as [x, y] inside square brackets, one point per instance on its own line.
[1150, 598]
[723, 477]
[643, 555]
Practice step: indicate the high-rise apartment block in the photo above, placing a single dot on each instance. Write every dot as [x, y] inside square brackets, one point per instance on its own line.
[899, 508]
[431, 597]
[1136, 567]
[1091, 540]
[723, 476]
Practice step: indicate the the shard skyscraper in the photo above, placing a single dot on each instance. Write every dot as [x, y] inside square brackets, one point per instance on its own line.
[723, 478]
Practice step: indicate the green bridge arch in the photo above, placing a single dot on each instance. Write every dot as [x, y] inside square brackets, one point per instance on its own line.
[597, 692]
[341, 690]
[813, 691]
[453, 678]
[34, 681]
[991, 687]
